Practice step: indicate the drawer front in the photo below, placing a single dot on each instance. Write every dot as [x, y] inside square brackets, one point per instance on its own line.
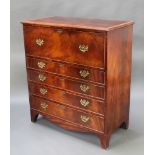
[69, 99]
[69, 114]
[80, 72]
[66, 83]
[70, 46]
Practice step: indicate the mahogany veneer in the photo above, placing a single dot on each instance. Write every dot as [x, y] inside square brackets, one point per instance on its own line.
[79, 73]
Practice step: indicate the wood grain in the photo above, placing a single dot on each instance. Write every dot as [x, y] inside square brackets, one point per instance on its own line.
[118, 78]
[66, 113]
[67, 98]
[108, 61]
[68, 70]
[79, 23]
[66, 83]
[65, 46]
[65, 124]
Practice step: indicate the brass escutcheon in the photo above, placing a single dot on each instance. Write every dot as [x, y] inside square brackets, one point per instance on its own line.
[43, 91]
[84, 102]
[41, 64]
[84, 118]
[44, 105]
[84, 87]
[42, 77]
[39, 42]
[83, 48]
[84, 73]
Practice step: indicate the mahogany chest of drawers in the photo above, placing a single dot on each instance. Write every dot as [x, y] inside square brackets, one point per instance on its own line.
[78, 73]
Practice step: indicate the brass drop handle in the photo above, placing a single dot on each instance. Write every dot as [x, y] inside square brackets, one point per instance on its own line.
[42, 77]
[84, 118]
[84, 102]
[84, 87]
[43, 91]
[39, 42]
[84, 73]
[44, 105]
[83, 48]
[41, 64]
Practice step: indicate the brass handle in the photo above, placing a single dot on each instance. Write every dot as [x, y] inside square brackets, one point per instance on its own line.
[83, 48]
[84, 118]
[84, 87]
[39, 42]
[84, 73]
[44, 105]
[43, 91]
[41, 64]
[42, 77]
[84, 102]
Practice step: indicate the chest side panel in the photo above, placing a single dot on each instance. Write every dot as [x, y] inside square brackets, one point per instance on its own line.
[119, 46]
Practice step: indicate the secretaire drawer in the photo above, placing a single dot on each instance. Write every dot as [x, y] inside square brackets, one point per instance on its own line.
[66, 113]
[66, 69]
[71, 46]
[66, 83]
[66, 98]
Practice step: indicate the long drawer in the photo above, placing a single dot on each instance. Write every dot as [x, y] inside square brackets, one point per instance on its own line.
[66, 83]
[81, 118]
[76, 101]
[67, 69]
[70, 46]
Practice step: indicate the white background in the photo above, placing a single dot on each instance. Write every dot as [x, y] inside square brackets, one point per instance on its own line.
[4, 91]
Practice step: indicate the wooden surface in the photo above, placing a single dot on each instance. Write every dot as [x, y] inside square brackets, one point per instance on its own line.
[69, 114]
[69, 84]
[59, 96]
[63, 123]
[67, 98]
[118, 78]
[80, 23]
[64, 46]
[67, 70]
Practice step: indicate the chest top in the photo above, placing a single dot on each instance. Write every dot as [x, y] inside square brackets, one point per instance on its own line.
[79, 23]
